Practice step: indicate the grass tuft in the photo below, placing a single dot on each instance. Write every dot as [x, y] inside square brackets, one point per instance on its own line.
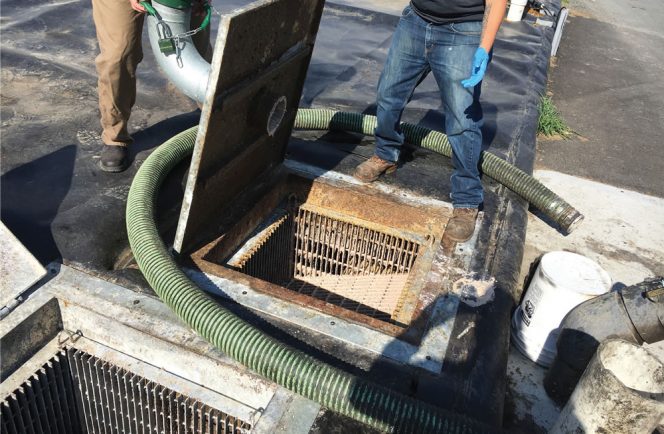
[550, 122]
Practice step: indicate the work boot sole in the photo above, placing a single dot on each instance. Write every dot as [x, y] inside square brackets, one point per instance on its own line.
[113, 169]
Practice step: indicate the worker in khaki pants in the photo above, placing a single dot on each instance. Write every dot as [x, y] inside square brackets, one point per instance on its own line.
[119, 25]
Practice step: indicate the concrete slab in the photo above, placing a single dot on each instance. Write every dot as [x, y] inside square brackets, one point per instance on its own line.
[624, 233]
[623, 230]
[528, 409]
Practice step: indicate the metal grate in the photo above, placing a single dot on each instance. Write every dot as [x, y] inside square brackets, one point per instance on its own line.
[76, 392]
[45, 402]
[345, 264]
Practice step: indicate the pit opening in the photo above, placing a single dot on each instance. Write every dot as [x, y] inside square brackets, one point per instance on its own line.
[76, 392]
[346, 264]
[345, 250]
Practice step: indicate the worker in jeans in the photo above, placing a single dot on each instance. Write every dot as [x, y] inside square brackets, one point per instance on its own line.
[119, 25]
[452, 39]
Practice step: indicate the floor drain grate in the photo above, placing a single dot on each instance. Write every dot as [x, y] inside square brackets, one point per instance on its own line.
[356, 267]
[75, 392]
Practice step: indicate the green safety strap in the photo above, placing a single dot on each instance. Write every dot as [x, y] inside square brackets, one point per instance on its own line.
[148, 7]
[208, 15]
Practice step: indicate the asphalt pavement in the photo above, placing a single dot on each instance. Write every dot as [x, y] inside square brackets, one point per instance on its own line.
[607, 84]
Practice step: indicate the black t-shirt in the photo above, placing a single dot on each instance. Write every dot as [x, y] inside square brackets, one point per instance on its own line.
[449, 11]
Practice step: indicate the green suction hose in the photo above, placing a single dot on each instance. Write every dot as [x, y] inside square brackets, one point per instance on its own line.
[552, 205]
[331, 387]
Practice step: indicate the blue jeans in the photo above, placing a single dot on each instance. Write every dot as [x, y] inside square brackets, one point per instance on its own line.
[419, 47]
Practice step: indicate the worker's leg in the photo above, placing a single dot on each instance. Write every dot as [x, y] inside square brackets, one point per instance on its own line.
[405, 67]
[451, 61]
[119, 30]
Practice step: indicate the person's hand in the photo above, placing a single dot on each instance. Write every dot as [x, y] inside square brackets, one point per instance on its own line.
[480, 60]
[136, 5]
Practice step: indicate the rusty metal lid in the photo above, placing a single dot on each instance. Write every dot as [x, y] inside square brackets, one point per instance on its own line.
[258, 69]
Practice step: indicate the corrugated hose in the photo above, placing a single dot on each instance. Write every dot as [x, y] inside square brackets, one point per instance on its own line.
[333, 388]
[530, 189]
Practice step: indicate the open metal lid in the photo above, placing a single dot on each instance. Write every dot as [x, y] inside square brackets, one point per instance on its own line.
[19, 270]
[260, 61]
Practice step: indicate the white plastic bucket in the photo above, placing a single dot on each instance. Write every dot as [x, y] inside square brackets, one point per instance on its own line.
[515, 12]
[562, 281]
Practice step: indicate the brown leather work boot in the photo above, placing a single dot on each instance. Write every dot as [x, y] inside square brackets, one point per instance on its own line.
[462, 225]
[370, 170]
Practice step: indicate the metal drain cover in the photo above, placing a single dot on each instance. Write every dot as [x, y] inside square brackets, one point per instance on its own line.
[75, 392]
[340, 262]
[258, 69]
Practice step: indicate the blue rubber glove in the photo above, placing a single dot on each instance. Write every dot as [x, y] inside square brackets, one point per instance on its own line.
[480, 60]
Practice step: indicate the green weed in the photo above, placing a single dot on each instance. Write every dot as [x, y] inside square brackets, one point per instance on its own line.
[550, 122]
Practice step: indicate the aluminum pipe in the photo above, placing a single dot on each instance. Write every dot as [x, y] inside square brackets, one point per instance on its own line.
[621, 391]
[185, 68]
[634, 314]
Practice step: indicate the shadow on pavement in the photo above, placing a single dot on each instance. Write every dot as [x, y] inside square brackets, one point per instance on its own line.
[31, 197]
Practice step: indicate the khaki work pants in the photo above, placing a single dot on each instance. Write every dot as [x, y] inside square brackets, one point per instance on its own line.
[119, 30]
